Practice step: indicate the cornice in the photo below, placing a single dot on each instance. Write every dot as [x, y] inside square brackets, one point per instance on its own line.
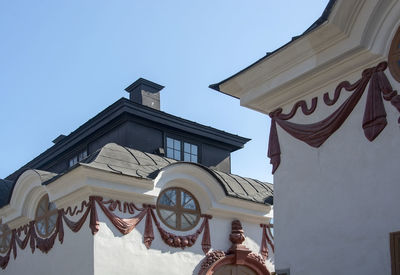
[84, 181]
[349, 41]
[265, 99]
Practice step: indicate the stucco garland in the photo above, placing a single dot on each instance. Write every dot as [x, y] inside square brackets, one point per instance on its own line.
[267, 239]
[124, 225]
[238, 254]
[315, 134]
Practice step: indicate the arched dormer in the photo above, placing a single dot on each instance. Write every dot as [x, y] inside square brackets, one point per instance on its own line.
[27, 192]
[216, 191]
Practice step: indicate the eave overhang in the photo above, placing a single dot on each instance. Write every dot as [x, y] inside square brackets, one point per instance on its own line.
[342, 44]
[125, 108]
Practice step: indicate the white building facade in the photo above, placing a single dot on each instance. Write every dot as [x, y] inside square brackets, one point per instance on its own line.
[122, 211]
[334, 140]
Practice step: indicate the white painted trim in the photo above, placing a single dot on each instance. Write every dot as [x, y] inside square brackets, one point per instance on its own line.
[84, 181]
[356, 36]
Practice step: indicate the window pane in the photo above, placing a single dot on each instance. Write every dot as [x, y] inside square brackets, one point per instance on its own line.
[41, 210]
[51, 206]
[185, 223]
[51, 224]
[194, 158]
[177, 155]
[73, 161]
[168, 198]
[186, 157]
[41, 227]
[187, 147]
[190, 217]
[177, 144]
[185, 198]
[194, 149]
[53, 219]
[172, 220]
[170, 142]
[168, 216]
[170, 153]
[187, 201]
[190, 205]
[82, 155]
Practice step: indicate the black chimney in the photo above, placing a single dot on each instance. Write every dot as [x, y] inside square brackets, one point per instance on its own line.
[145, 92]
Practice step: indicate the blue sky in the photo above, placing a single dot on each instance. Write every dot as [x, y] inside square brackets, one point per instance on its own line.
[62, 62]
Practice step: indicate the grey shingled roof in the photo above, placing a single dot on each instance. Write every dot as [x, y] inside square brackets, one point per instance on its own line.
[125, 161]
[6, 187]
[121, 160]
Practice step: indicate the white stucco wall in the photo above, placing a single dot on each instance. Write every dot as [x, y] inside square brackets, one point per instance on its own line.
[110, 252]
[118, 254]
[74, 256]
[336, 205]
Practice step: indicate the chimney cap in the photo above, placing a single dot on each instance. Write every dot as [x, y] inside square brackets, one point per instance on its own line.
[59, 138]
[145, 82]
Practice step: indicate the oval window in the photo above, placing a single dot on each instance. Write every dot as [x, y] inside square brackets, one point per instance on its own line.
[394, 56]
[5, 238]
[178, 209]
[46, 217]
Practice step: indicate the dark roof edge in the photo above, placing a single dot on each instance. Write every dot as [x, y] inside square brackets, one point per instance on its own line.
[125, 105]
[324, 17]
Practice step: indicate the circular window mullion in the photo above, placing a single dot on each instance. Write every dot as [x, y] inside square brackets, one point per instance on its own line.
[177, 206]
[44, 212]
[46, 220]
[178, 210]
[185, 217]
[166, 207]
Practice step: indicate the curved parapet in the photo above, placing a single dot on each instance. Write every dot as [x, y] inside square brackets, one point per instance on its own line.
[27, 190]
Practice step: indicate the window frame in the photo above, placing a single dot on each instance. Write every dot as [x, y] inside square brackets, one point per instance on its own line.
[182, 147]
[178, 210]
[76, 158]
[48, 213]
[395, 252]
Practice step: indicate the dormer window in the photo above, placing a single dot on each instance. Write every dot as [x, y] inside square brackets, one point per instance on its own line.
[178, 209]
[181, 150]
[174, 148]
[77, 158]
[189, 152]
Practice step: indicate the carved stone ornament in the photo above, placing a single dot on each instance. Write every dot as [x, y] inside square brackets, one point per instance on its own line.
[237, 255]
[315, 134]
[124, 225]
[267, 239]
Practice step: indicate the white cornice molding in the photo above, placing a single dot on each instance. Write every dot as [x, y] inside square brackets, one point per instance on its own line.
[211, 196]
[27, 191]
[354, 37]
[83, 181]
